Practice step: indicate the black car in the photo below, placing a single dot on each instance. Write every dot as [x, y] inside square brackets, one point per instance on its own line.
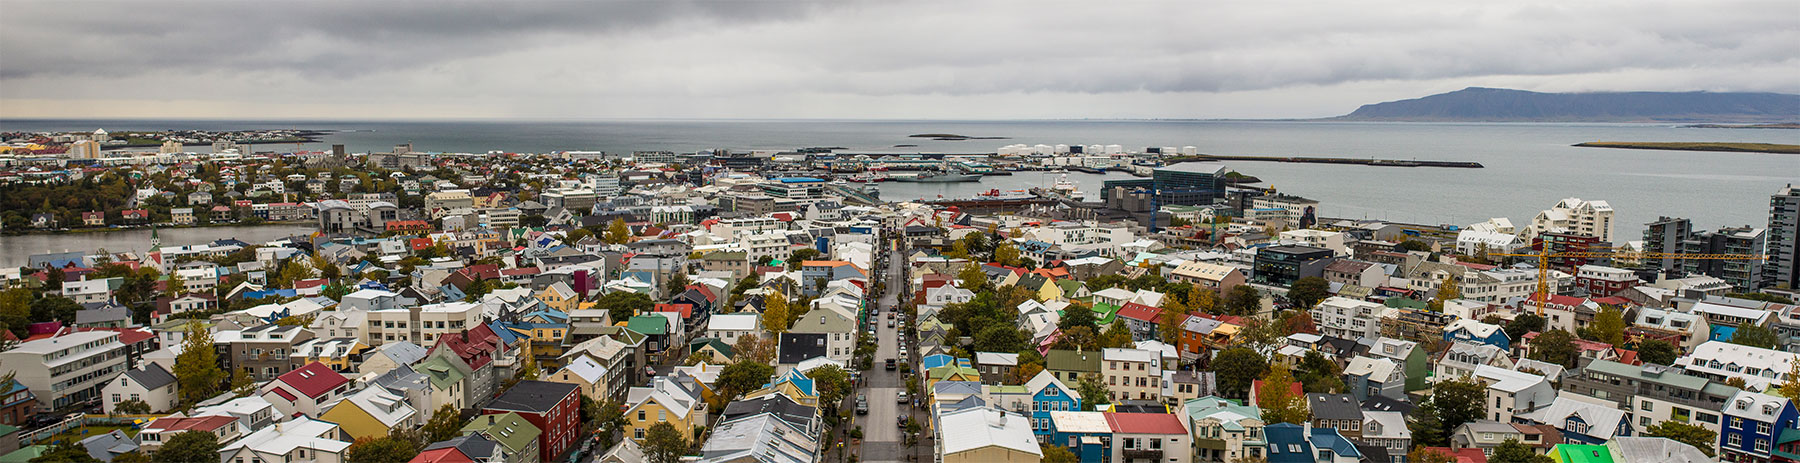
[891, 365]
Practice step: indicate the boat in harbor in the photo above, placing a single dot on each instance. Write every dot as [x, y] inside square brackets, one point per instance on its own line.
[937, 177]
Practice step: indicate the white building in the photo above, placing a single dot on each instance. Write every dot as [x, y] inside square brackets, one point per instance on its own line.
[1720, 361]
[1512, 393]
[68, 369]
[303, 440]
[152, 385]
[1573, 215]
[1342, 317]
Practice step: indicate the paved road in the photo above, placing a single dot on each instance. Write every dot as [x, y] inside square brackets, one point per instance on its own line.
[881, 436]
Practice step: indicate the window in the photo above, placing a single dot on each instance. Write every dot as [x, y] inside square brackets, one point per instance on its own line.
[1762, 428]
[1155, 444]
[115, 398]
[662, 415]
[1762, 445]
[1646, 406]
[642, 415]
[637, 433]
[1737, 422]
[1734, 439]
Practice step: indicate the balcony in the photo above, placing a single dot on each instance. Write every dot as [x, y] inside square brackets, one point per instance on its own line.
[1135, 454]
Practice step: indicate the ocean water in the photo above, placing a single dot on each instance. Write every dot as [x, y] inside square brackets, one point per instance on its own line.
[1528, 166]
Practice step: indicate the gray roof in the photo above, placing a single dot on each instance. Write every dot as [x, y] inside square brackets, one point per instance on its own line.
[403, 378]
[107, 314]
[1334, 406]
[779, 405]
[105, 446]
[402, 353]
[151, 376]
[474, 445]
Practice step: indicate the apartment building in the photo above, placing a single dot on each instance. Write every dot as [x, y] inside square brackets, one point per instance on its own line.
[422, 324]
[1132, 374]
[68, 369]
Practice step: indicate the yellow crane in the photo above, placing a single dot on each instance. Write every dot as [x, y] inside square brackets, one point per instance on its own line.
[1543, 264]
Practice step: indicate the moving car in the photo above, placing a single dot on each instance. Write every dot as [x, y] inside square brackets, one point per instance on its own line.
[891, 366]
[862, 404]
[900, 398]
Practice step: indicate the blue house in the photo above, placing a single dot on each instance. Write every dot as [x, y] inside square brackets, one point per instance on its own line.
[1049, 394]
[1476, 332]
[1087, 434]
[1288, 443]
[1752, 424]
[1331, 446]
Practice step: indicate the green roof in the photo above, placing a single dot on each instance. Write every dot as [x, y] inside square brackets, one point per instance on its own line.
[727, 256]
[946, 371]
[441, 371]
[1572, 453]
[1787, 435]
[1068, 360]
[510, 429]
[1404, 303]
[1068, 286]
[5, 429]
[1020, 389]
[649, 324]
[25, 454]
[722, 347]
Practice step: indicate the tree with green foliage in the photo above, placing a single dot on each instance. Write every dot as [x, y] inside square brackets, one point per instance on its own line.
[801, 255]
[53, 308]
[1076, 316]
[1423, 454]
[190, 447]
[1278, 402]
[1093, 392]
[241, 384]
[833, 384]
[1657, 351]
[1306, 292]
[617, 232]
[1007, 255]
[610, 422]
[131, 457]
[1697, 436]
[1555, 346]
[197, 372]
[1415, 245]
[1057, 454]
[1523, 324]
[1459, 401]
[1001, 338]
[1427, 430]
[385, 449]
[1790, 383]
[1753, 335]
[1319, 374]
[445, 424]
[1169, 321]
[1243, 300]
[1235, 368]
[622, 305]
[664, 444]
[1609, 326]
[1111, 280]
[1512, 451]
[15, 311]
[742, 377]
[1116, 335]
[1764, 297]
[972, 278]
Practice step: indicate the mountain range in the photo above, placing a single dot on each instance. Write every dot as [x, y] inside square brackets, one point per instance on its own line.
[1477, 104]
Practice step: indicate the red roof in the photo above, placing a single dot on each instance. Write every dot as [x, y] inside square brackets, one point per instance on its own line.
[1145, 423]
[1136, 311]
[1468, 455]
[315, 379]
[686, 310]
[476, 346]
[285, 395]
[313, 283]
[1295, 388]
[443, 455]
[513, 272]
[202, 423]
[127, 336]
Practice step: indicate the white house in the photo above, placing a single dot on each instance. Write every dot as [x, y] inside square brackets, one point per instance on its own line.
[151, 385]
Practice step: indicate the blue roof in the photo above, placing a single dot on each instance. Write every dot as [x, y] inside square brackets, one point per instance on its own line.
[801, 381]
[799, 180]
[1282, 437]
[506, 336]
[1330, 439]
[935, 360]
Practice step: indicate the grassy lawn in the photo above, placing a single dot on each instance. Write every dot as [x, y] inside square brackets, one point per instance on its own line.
[75, 435]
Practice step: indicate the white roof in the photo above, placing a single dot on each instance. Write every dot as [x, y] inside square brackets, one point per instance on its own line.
[1392, 425]
[1475, 327]
[1080, 422]
[1115, 293]
[733, 322]
[1045, 379]
[48, 345]
[1758, 315]
[587, 369]
[1507, 380]
[1602, 420]
[1128, 355]
[977, 428]
[287, 436]
[996, 358]
[1374, 368]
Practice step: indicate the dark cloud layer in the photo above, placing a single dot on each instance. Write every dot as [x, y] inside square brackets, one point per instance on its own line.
[871, 59]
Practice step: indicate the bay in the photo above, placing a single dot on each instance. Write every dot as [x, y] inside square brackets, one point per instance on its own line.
[1529, 166]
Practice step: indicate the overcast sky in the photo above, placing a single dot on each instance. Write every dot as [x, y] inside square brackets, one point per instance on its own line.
[884, 59]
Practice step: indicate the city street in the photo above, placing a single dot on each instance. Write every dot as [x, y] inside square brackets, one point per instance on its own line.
[882, 440]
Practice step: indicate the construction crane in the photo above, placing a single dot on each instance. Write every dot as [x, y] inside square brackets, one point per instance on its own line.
[1543, 264]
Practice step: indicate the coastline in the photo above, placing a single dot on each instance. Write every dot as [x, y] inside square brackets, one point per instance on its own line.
[1720, 147]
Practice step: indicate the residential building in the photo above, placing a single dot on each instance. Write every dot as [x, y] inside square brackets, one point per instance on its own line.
[1341, 412]
[1511, 393]
[1048, 395]
[1342, 317]
[1753, 424]
[301, 440]
[1282, 265]
[984, 435]
[371, 412]
[664, 401]
[554, 408]
[1577, 216]
[519, 439]
[150, 384]
[66, 370]
[1132, 374]
[1783, 242]
[1721, 361]
[1149, 437]
[1223, 430]
[306, 390]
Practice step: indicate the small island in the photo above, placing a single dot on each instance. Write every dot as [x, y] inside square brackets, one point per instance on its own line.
[951, 137]
[1781, 125]
[1776, 148]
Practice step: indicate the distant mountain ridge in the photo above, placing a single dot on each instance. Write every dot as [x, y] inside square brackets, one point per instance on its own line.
[1478, 104]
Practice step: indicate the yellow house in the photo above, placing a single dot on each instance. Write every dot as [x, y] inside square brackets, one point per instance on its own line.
[370, 413]
[664, 402]
[333, 352]
[795, 385]
[951, 372]
[986, 435]
[559, 296]
[586, 374]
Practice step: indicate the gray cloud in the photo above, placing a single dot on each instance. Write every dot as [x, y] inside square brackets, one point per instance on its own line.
[791, 58]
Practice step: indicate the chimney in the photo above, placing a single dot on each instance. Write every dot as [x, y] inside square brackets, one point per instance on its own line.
[490, 419]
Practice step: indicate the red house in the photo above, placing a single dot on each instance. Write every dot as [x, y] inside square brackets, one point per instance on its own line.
[552, 407]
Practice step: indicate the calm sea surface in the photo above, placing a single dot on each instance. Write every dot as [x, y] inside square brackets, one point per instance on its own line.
[1529, 166]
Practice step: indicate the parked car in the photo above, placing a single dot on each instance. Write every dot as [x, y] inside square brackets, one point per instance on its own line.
[862, 404]
[900, 398]
[891, 366]
[890, 323]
